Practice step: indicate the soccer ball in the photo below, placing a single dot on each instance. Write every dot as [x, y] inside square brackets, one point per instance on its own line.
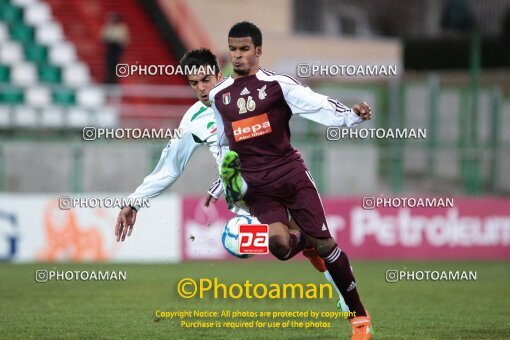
[230, 236]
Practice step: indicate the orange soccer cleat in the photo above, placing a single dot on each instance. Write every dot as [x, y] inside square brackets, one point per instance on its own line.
[315, 259]
[361, 328]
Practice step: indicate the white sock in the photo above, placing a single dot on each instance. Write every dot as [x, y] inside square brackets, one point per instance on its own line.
[343, 305]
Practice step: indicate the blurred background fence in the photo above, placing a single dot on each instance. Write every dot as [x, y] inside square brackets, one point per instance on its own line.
[462, 154]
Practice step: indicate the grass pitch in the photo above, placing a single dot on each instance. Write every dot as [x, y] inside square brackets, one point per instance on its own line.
[126, 309]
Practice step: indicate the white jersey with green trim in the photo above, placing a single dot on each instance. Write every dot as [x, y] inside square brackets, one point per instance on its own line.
[198, 127]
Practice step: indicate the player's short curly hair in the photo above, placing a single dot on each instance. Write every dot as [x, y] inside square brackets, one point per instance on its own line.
[246, 29]
[200, 57]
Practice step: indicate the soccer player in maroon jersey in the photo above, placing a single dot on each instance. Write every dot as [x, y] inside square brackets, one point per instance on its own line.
[253, 108]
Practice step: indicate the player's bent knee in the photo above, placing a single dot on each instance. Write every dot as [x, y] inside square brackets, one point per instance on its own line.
[323, 246]
[279, 246]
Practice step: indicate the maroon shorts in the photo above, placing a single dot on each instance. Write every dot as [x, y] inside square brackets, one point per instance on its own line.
[296, 195]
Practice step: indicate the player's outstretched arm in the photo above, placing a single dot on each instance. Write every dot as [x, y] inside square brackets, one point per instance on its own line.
[174, 158]
[125, 223]
[319, 108]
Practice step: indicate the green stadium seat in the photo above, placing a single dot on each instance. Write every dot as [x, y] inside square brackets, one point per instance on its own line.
[4, 74]
[49, 74]
[11, 95]
[64, 96]
[22, 33]
[36, 53]
[9, 13]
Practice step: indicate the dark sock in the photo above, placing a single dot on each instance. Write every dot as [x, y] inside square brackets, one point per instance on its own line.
[296, 244]
[338, 266]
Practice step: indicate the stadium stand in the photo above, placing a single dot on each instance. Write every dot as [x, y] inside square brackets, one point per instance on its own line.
[52, 66]
[83, 22]
[43, 81]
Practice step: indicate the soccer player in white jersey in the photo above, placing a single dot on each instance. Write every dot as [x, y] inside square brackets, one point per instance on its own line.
[198, 128]
[253, 108]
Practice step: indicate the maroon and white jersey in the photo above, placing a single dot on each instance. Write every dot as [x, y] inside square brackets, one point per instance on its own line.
[252, 116]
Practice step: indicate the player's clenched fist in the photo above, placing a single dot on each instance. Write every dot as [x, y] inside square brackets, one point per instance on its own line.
[125, 223]
[363, 110]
